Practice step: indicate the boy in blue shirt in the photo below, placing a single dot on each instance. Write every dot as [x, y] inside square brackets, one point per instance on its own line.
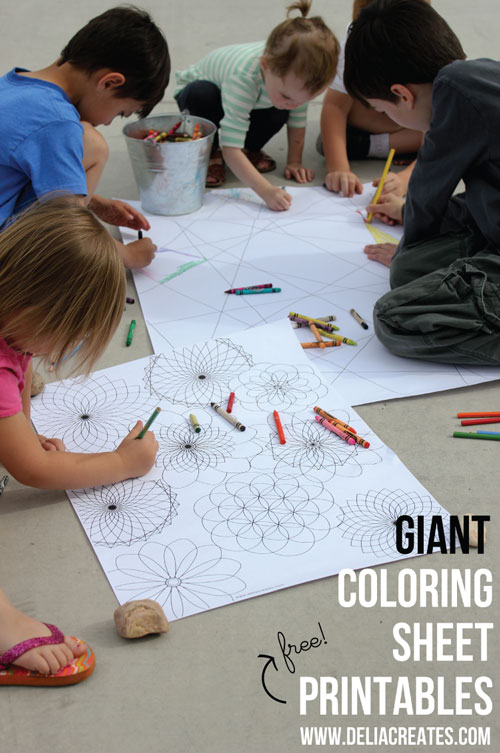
[403, 59]
[117, 64]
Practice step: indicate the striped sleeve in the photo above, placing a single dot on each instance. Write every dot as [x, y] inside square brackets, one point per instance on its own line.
[298, 117]
[239, 95]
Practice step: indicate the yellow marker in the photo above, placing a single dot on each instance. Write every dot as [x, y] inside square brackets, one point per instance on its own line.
[382, 181]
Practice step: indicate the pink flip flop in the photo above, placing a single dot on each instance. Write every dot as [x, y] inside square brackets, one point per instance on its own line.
[78, 670]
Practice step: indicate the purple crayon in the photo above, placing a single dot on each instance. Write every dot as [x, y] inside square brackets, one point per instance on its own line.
[250, 287]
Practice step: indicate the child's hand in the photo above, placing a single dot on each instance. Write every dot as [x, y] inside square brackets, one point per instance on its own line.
[138, 254]
[343, 181]
[137, 455]
[389, 209]
[382, 252]
[52, 444]
[116, 212]
[298, 172]
[392, 184]
[277, 198]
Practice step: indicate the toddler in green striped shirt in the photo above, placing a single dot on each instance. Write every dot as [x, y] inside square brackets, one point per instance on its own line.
[251, 90]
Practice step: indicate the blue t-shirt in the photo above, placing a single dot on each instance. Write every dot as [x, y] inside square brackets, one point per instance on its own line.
[41, 143]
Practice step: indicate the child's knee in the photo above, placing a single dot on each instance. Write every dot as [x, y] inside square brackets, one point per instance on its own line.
[95, 146]
[198, 95]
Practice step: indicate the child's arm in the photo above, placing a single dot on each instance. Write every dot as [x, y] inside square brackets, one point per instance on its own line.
[275, 197]
[294, 167]
[24, 458]
[334, 114]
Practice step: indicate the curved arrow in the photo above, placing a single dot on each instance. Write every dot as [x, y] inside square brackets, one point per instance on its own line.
[271, 661]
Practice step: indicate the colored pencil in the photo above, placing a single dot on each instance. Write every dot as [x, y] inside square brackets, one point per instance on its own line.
[148, 423]
[381, 182]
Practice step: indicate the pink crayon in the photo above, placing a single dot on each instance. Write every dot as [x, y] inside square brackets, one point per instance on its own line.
[335, 430]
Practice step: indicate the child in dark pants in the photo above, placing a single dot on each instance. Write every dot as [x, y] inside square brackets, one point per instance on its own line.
[444, 304]
[252, 90]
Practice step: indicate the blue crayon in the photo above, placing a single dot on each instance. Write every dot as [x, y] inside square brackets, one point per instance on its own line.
[497, 433]
[247, 291]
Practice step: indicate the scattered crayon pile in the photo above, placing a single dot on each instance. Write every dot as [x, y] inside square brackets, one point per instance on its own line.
[159, 137]
[338, 427]
[478, 418]
[321, 327]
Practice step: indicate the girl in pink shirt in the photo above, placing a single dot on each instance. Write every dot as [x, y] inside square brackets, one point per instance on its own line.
[62, 283]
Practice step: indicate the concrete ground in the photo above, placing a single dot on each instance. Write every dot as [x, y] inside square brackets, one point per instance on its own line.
[198, 689]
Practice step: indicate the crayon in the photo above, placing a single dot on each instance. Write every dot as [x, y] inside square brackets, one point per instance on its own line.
[130, 333]
[339, 338]
[230, 402]
[474, 435]
[476, 421]
[333, 419]
[330, 318]
[248, 291]
[279, 427]
[250, 287]
[148, 423]
[335, 430]
[194, 422]
[232, 420]
[196, 132]
[477, 415]
[358, 318]
[381, 182]
[495, 433]
[316, 334]
[308, 319]
[139, 235]
[130, 300]
[332, 343]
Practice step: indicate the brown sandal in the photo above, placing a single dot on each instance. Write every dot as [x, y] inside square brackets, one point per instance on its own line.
[261, 161]
[216, 173]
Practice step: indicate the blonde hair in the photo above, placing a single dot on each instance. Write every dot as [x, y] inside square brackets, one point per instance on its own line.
[359, 5]
[62, 280]
[305, 47]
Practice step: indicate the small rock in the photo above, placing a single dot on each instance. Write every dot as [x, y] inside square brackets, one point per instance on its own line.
[473, 535]
[142, 617]
[37, 383]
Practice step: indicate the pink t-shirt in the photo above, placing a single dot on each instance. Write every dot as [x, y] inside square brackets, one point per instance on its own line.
[13, 366]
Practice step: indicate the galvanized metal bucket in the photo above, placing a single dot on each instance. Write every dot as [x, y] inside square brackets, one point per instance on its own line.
[170, 176]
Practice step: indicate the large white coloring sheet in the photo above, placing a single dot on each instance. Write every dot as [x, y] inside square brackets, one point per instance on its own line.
[225, 515]
[314, 252]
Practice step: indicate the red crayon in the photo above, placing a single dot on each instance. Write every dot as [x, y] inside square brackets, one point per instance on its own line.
[474, 421]
[279, 427]
[230, 403]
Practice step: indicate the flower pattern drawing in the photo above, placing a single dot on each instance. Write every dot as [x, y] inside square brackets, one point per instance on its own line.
[196, 375]
[265, 515]
[368, 521]
[313, 452]
[182, 577]
[123, 513]
[89, 416]
[187, 456]
[283, 387]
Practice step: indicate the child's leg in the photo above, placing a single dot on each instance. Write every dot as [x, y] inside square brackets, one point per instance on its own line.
[264, 124]
[449, 314]
[203, 99]
[377, 125]
[95, 156]
[16, 627]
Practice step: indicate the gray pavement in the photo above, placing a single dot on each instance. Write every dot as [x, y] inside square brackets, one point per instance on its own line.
[198, 689]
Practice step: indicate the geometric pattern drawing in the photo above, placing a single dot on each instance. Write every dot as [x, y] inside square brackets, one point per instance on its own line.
[369, 520]
[196, 375]
[181, 576]
[280, 387]
[265, 515]
[91, 415]
[314, 452]
[186, 455]
[126, 512]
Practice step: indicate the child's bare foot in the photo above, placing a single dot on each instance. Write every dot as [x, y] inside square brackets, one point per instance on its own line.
[382, 252]
[16, 627]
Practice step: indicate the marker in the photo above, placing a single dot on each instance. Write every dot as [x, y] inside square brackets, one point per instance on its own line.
[279, 427]
[339, 338]
[474, 435]
[249, 291]
[130, 333]
[139, 234]
[316, 334]
[232, 420]
[477, 415]
[333, 420]
[335, 430]
[230, 402]
[381, 182]
[130, 300]
[358, 318]
[148, 423]
[331, 344]
[250, 287]
[194, 422]
[308, 319]
[476, 421]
